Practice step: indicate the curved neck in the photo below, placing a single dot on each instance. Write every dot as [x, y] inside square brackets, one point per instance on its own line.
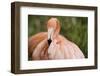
[57, 31]
[53, 26]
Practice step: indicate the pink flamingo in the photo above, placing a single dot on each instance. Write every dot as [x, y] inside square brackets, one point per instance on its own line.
[52, 45]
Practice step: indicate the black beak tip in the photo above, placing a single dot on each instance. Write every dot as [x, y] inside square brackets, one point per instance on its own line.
[49, 41]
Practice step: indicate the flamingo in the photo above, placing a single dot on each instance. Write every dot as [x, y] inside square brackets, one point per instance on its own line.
[52, 45]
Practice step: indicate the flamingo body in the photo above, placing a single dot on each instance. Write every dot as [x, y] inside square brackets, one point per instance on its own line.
[59, 48]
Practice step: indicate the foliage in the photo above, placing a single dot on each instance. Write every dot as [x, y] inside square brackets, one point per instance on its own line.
[74, 29]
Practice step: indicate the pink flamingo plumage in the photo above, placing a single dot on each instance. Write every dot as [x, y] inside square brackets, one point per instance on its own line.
[52, 45]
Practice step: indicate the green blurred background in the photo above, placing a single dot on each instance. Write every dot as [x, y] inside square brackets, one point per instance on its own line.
[74, 29]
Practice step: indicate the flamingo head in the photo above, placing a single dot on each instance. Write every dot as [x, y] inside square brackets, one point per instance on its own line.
[53, 26]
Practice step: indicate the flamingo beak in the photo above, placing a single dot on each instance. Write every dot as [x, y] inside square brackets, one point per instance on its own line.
[49, 41]
[50, 34]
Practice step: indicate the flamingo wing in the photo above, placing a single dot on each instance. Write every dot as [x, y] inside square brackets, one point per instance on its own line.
[71, 49]
[35, 40]
[40, 52]
[61, 48]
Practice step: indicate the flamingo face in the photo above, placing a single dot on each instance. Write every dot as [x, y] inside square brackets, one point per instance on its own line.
[52, 29]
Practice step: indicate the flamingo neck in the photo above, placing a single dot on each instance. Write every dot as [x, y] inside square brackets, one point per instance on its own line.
[57, 31]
